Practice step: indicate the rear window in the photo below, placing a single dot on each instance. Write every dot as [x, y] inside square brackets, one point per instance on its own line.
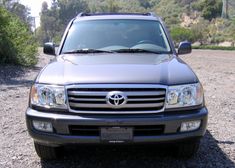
[116, 34]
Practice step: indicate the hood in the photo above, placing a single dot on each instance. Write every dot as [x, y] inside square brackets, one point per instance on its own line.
[118, 68]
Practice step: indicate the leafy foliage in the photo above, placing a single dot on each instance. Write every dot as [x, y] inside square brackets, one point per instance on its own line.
[181, 34]
[54, 20]
[211, 9]
[203, 12]
[19, 10]
[206, 47]
[17, 44]
[170, 11]
[69, 9]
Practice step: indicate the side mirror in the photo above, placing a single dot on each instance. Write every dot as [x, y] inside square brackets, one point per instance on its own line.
[49, 48]
[184, 48]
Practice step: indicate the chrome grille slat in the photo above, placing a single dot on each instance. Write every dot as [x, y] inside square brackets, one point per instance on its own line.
[103, 99]
[107, 106]
[85, 99]
[84, 93]
[141, 98]
[147, 99]
[141, 93]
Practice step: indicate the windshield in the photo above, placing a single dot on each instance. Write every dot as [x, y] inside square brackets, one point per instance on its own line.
[116, 35]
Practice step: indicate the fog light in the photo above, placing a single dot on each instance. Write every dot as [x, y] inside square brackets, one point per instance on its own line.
[42, 126]
[190, 126]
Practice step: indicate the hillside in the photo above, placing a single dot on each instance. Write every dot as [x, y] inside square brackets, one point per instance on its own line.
[194, 20]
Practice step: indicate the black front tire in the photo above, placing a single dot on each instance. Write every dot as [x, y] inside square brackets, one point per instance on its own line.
[48, 152]
[187, 149]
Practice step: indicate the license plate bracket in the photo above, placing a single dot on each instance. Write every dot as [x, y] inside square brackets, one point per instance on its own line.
[116, 134]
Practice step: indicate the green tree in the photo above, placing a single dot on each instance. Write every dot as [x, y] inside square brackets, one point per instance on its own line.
[19, 10]
[148, 4]
[50, 25]
[111, 6]
[17, 44]
[70, 8]
[54, 20]
[131, 6]
[181, 34]
[211, 9]
[170, 11]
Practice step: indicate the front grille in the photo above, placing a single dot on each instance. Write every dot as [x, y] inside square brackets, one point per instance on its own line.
[148, 130]
[139, 99]
[81, 130]
[141, 130]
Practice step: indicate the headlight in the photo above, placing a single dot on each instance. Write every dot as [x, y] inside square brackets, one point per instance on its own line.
[184, 95]
[48, 96]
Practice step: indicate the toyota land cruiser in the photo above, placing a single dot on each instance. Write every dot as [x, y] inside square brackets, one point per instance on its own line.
[116, 79]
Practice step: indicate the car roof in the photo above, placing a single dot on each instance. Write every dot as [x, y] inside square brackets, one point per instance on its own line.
[103, 16]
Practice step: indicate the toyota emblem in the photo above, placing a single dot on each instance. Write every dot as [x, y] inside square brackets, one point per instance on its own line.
[116, 99]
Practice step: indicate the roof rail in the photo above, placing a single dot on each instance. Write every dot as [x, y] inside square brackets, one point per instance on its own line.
[80, 14]
[100, 14]
[152, 14]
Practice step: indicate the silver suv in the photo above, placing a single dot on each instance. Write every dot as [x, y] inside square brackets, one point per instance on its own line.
[116, 79]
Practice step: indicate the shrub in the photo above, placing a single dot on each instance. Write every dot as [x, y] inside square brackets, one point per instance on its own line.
[17, 44]
[200, 31]
[181, 34]
[212, 9]
[208, 47]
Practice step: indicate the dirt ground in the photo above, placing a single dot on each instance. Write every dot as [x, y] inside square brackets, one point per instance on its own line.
[215, 69]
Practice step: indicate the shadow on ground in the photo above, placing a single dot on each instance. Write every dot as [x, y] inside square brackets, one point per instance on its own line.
[15, 76]
[209, 155]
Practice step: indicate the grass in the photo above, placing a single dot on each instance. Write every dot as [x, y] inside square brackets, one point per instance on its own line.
[214, 47]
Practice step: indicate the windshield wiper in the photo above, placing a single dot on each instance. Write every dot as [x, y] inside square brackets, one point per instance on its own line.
[136, 50]
[87, 50]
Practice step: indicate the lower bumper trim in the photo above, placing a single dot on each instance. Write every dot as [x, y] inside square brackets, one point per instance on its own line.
[63, 136]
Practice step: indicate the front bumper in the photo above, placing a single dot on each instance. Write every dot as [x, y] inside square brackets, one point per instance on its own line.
[62, 136]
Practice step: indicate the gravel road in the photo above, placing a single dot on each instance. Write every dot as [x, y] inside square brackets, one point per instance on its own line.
[215, 69]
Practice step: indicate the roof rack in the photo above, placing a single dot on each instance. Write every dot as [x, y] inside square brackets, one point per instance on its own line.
[100, 14]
